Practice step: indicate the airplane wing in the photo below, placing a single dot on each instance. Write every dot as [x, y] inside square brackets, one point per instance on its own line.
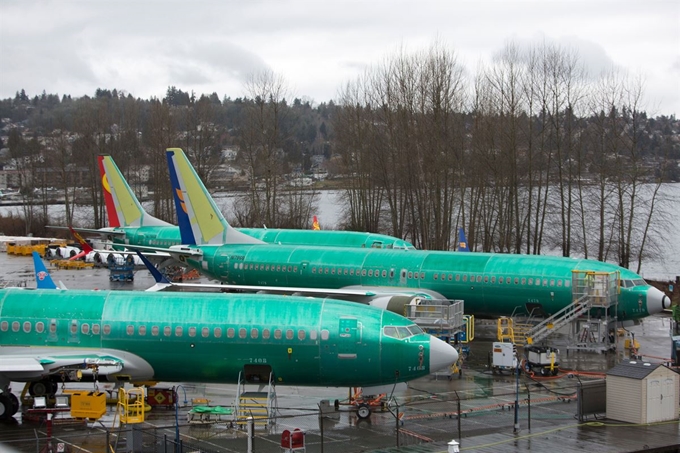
[356, 293]
[104, 232]
[179, 250]
[22, 364]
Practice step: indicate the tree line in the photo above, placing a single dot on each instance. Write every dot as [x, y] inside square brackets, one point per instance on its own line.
[530, 153]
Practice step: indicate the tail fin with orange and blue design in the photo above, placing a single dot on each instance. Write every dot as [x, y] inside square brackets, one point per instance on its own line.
[462, 241]
[200, 220]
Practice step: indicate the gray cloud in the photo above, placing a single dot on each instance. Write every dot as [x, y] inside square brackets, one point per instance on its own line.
[74, 46]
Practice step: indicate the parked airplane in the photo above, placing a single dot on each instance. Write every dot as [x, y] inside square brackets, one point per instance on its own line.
[490, 284]
[133, 225]
[50, 336]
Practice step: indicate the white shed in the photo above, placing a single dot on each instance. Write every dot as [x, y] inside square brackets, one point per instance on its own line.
[642, 392]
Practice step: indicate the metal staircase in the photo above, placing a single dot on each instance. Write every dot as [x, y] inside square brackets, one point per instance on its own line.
[260, 405]
[558, 320]
[589, 290]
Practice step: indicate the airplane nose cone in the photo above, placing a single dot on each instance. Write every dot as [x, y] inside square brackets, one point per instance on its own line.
[442, 354]
[656, 301]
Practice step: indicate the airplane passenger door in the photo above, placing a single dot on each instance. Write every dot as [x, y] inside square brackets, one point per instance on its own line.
[349, 337]
[222, 266]
[402, 277]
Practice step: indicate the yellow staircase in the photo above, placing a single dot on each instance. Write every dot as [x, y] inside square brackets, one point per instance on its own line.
[260, 405]
[253, 404]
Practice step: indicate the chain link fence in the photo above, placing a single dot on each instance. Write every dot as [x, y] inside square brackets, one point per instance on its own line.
[429, 421]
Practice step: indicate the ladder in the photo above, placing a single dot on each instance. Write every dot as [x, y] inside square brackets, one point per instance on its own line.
[558, 320]
[260, 405]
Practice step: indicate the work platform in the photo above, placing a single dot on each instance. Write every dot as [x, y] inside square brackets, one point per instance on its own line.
[591, 317]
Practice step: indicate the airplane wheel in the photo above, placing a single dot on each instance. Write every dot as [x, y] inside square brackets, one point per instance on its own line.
[43, 388]
[5, 407]
[363, 411]
[15, 403]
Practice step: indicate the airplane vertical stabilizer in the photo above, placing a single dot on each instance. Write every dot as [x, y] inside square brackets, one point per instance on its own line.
[462, 241]
[200, 220]
[42, 277]
[122, 206]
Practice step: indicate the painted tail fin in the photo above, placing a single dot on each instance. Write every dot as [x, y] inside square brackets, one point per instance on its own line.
[84, 246]
[122, 205]
[315, 224]
[200, 220]
[462, 241]
[42, 277]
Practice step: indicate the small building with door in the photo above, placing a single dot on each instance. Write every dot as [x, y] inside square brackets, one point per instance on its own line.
[642, 392]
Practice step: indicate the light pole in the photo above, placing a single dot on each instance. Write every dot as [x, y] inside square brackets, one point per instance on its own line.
[515, 363]
[177, 414]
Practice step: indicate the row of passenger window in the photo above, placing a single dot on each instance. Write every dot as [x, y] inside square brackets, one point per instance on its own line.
[40, 327]
[217, 332]
[168, 331]
[411, 275]
[505, 280]
[166, 243]
[266, 267]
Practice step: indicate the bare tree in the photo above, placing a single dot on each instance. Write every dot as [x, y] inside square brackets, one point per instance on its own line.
[202, 137]
[161, 135]
[363, 196]
[401, 142]
[262, 134]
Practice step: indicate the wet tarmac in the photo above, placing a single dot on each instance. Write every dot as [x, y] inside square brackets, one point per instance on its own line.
[422, 416]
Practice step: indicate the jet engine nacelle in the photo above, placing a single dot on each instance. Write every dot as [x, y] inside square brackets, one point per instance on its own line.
[396, 304]
[67, 252]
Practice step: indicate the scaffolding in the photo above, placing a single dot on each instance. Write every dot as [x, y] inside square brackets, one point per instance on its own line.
[591, 316]
[442, 318]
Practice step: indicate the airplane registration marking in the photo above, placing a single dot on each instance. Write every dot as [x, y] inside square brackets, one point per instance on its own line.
[258, 360]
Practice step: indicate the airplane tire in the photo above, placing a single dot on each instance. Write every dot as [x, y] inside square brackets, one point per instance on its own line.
[43, 388]
[363, 411]
[5, 407]
[15, 403]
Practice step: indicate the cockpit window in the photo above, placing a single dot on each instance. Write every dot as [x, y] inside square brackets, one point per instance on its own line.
[631, 283]
[402, 245]
[415, 329]
[390, 331]
[402, 332]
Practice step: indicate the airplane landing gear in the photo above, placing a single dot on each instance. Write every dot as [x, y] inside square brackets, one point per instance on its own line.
[43, 388]
[9, 404]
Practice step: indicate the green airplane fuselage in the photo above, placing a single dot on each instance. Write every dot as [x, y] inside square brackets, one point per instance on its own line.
[160, 236]
[207, 337]
[490, 284]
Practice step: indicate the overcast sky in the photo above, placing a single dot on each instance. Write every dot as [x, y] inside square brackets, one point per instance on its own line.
[143, 47]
